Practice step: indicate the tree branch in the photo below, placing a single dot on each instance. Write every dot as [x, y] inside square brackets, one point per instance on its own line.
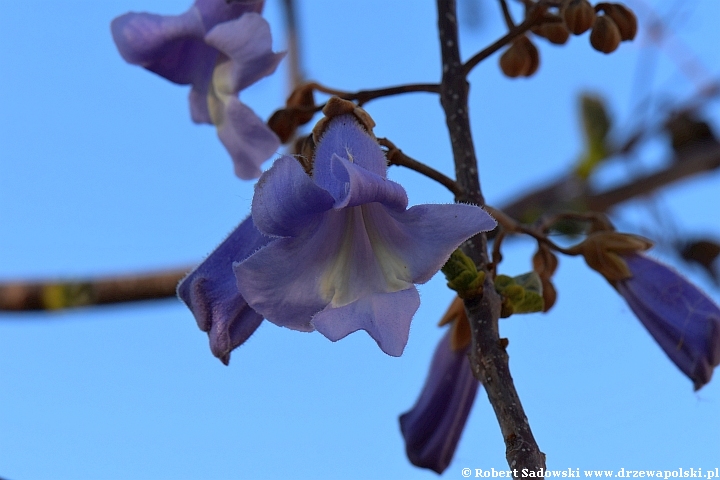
[703, 158]
[488, 357]
[571, 193]
[49, 295]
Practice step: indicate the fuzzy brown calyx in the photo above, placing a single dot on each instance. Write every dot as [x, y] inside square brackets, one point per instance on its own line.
[335, 107]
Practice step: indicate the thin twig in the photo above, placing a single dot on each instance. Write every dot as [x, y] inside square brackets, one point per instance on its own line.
[396, 156]
[510, 225]
[496, 250]
[364, 96]
[506, 13]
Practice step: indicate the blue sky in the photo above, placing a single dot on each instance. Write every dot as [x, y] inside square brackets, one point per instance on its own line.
[102, 172]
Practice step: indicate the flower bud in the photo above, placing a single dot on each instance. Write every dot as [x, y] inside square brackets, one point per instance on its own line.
[605, 36]
[554, 32]
[522, 59]
[623, 17]
[579, 16]
[298, 111]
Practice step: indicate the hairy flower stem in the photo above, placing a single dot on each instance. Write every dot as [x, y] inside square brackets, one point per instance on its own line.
[488, 357]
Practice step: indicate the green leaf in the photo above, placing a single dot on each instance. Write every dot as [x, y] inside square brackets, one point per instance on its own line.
[521, 294]
[596, 124]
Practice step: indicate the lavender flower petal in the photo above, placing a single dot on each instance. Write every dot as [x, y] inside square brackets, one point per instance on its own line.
[286, 199]
[680, 317]
[347, 139]
[211, 294]
[171, 46]
[247, 138]
[385, 316]
[352, 185]
[288, 280]
[198, 99]
[248, 45]
[424, 236]
[214, 12]
[432, 428]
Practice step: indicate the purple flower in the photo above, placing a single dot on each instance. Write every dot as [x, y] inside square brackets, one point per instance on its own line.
[219, 49]
[432, 428]
[210, 291]
[680, 317]
[345, 252]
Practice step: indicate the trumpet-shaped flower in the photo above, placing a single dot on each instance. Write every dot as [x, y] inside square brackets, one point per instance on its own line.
[210, 291]
[345, 250]
[432, 428]
[680, 317]
[219, 49]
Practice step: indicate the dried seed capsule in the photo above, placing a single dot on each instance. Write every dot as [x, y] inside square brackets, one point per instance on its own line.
[579, 16]
[521, 59]
[623, 17]
[605, 35]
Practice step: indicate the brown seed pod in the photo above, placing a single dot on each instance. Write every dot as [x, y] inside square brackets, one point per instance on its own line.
[579, 16]
[284, 123]
[521, 59]
[623, 17]
[545, 263]
[605, 36]
[554, 32]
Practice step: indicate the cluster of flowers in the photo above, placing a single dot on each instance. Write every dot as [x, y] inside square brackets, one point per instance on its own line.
[355, 248]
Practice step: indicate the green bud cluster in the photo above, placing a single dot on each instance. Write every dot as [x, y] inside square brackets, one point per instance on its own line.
[462, 275]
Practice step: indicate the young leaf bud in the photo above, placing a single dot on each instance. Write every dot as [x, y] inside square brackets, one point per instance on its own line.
[579, 16]
[521, 59]
[623, 17]
[605, 36]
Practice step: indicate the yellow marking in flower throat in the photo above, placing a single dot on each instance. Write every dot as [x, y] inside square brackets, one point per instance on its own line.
[336, 284]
